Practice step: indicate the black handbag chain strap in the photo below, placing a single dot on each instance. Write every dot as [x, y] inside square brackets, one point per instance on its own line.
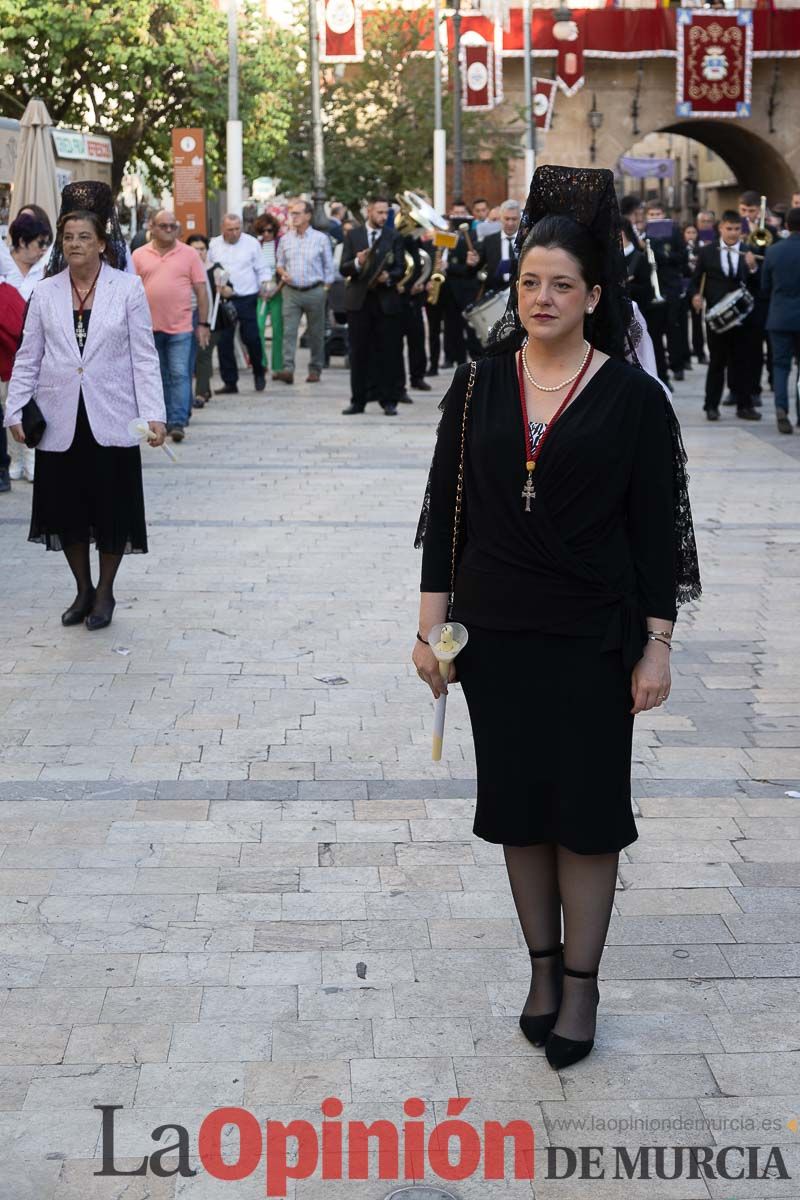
[473, 372]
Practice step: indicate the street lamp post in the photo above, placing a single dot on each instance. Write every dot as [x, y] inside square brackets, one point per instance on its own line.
[319, 219]
[233, 128]
[458, 148]
[439, 135]
[530, 123]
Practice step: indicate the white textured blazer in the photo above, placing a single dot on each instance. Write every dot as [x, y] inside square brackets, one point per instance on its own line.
[118, 371]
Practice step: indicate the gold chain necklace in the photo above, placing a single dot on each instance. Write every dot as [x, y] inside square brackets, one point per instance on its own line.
[558, 386]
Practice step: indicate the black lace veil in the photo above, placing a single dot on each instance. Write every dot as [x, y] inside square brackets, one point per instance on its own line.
[90, 195]
[588, 196]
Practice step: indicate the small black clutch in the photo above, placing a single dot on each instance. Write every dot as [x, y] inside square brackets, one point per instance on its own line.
[33, 424]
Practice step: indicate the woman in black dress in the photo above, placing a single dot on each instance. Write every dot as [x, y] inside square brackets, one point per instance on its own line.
[574, 547]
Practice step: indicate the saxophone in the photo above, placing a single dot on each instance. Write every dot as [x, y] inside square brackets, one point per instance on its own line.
[437, 277]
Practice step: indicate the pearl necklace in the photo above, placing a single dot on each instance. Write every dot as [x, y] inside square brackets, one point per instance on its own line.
[558, 386]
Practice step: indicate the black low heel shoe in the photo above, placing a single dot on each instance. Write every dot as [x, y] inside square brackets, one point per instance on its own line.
[100, 619]
[561, 1051]
[536, 1028]
[77, 612]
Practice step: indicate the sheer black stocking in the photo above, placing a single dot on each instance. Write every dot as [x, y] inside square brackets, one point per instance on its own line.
[544, 879]
[109, 565]
[77, 557]
[586, 883]
[534, 885]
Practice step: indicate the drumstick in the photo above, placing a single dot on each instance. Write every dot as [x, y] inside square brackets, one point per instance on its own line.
[465, 230]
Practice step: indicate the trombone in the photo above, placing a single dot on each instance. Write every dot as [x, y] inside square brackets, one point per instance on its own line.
[761, 237]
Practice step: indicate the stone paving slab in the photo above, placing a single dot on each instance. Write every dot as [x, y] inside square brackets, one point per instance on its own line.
[230, 874]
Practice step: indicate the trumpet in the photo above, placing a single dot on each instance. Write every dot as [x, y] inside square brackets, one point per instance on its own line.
[761, 237]
[651, 258]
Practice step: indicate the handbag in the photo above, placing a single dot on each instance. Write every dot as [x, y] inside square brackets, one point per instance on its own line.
[227, 315]
[473, 372]
[33, 423]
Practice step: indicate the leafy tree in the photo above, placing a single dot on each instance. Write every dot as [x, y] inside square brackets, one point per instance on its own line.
[378, 119]
[135, 69]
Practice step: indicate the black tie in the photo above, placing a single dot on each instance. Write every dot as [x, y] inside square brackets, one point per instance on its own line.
[373, 233]
[731, 271]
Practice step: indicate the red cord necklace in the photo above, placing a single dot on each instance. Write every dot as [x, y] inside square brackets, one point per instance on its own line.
[80, 328]
[531, 455]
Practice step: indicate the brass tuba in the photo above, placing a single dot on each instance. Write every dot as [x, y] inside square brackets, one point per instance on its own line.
[761, 237]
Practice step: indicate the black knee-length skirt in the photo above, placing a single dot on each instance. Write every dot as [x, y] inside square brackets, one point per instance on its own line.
[553, 735]
[89, 493]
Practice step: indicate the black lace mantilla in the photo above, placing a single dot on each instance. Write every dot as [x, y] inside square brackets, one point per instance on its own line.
[90, 195]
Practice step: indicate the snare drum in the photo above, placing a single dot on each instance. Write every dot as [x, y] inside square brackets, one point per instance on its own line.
[730, 311]
[484, 315]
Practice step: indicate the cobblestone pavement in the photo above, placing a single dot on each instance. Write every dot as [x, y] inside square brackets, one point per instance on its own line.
[231, 875]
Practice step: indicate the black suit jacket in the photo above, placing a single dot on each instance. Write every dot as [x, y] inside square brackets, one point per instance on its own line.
[461, 280]
[781, 283]
[640, 286]
[491, 258]
[357, 290]
[671, 261]
[717, 282]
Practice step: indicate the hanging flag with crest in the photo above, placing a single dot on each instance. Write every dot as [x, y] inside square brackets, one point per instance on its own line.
[714, 63]
[341, 33]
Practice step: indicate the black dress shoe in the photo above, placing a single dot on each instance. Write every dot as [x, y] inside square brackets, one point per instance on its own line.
[260, 382]
[351, 410]
[390, 410]
[228, 389]
[404, 399]
[756, 400]
[432, 373]
[729, 401]
[712, 414]
[748, 414]
[100, 618]
[5, 480]
[702, 360]
[536, 1028]
[419, 385]
[678, 375]
[784, 424]
[561, 1051]
[77, 612]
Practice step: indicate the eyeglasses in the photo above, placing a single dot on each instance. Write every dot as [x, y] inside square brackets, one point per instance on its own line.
[43, 243]
[166, 225]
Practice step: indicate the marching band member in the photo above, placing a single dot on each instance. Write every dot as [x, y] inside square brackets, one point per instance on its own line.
[460, 289]
[498, 250]
[373, 263]
[722, 267]
[781, 283]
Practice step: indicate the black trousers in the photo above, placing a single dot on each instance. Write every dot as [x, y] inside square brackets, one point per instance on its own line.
[248, 324]
[675, 341]
[656, 317]
[376, 354]
[460, 339]
[434, 314]
[698, 342]
[736, 354]
[414, 333]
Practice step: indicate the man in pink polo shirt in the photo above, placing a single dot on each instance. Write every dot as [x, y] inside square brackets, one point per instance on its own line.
[170, 272]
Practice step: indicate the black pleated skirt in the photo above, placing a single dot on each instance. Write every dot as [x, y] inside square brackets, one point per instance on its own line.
[89, 493]
[553, 736]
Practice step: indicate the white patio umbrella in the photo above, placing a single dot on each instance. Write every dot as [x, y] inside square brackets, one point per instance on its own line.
[35, 174]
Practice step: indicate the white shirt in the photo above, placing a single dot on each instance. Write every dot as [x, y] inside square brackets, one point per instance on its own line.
[244, 262]
[24, 283]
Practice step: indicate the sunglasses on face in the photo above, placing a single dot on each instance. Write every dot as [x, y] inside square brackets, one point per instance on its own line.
[166, 225]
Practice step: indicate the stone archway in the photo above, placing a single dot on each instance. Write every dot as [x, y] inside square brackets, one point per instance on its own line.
[755, 162]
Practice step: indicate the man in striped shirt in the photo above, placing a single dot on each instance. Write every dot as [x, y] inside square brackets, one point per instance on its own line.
[305, 264]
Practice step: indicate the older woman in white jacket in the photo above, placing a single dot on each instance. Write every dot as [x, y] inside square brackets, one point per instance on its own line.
[88, 357]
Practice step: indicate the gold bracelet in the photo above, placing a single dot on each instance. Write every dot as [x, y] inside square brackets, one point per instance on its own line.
[661, 633]
[655, 637]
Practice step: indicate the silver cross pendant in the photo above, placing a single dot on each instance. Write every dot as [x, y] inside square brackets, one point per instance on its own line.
[528, 493]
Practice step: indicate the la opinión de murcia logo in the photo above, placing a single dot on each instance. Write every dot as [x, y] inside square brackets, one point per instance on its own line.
[452, 1150]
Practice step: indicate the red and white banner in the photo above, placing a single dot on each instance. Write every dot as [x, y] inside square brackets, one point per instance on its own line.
[544, 95]
[477, 74]
[570, 39]
[341, 35]
[715, 63]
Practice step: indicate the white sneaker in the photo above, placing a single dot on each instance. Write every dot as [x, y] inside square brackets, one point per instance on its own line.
[28, 463]
[15, 470]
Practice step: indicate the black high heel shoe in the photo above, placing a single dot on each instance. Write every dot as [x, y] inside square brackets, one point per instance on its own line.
[100, 618]
[562, 1051]
[536, 1028]
[77, 612]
